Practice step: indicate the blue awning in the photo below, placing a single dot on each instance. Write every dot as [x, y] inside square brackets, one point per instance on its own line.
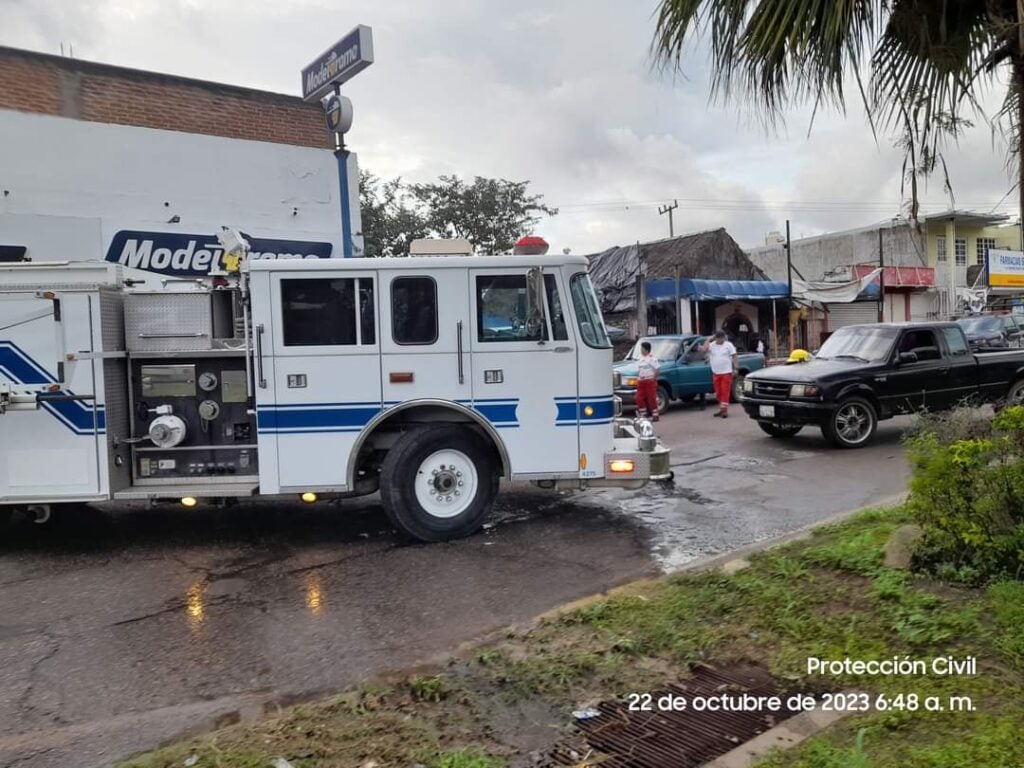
[711, 290]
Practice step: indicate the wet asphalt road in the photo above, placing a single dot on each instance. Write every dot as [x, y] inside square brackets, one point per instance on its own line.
[121, 630]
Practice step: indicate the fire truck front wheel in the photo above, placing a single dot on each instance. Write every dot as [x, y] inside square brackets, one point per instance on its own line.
[437, 483]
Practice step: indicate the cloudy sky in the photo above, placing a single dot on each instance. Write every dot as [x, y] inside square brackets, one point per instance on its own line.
[561, 93]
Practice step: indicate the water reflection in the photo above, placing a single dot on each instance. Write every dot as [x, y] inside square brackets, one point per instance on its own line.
[195, 604]
[314, 593]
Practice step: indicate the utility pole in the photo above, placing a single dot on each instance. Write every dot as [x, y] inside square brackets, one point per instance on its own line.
[790, 327]
[641, 292]
[881, 280]
[662, 210]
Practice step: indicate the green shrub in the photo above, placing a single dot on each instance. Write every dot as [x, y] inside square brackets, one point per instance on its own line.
[967, 494]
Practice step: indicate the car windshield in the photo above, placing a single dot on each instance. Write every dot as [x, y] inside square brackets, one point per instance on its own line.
[663, 349]
[866, 343]
[981, 324]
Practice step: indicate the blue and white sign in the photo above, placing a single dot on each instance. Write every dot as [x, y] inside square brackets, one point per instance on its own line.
[342, 61]
[338, 113]
[182, 255]
[1005, 269]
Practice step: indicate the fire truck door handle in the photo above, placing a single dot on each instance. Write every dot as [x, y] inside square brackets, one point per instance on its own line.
[259, 357]
[458, 328]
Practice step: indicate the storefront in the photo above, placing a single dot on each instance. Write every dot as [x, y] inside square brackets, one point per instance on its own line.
[747, 310]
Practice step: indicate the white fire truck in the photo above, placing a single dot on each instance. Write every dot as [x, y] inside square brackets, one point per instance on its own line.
[428, 378]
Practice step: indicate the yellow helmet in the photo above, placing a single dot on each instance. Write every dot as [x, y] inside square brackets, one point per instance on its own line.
[798, 356]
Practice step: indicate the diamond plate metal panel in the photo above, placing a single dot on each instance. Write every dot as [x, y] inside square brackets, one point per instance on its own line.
[168, 322]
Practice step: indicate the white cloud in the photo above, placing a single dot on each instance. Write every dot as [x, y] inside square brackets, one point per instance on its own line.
[562, 94]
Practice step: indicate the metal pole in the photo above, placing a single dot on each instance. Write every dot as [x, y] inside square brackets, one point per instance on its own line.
[881, 280]
[788, 280]
[679, 309]
[641, 293]
[775, 331]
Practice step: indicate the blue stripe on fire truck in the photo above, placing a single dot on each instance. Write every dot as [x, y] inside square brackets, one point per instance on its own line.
[572, 410]
[354, 416]
[18, 367]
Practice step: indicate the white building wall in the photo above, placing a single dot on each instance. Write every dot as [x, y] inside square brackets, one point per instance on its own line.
[68, 186]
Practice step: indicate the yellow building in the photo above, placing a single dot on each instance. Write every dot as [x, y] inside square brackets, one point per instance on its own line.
[962, 239]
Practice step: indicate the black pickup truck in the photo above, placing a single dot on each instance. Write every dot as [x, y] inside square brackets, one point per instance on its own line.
[866, 373]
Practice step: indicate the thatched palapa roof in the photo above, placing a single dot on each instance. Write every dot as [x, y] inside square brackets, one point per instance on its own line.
[711, 255]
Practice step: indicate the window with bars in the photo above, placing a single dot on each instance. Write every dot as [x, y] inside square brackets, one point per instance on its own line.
[960, 251]
[984, 243]
[940, 247]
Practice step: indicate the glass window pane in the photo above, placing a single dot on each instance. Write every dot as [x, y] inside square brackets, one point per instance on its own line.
[501, 312]
[559, 330]
[955, 341]
[318, 312]
[588, 314]
[414, 310]
[960, 251]
[367, 323]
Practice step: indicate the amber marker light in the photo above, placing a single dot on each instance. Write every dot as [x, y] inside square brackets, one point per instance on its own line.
[622, 466]
[309, 497]
[189, 501]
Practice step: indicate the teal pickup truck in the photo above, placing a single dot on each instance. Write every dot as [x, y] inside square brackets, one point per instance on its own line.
[684, 372]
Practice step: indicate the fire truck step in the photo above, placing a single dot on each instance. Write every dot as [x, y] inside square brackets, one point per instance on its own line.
[194, 490]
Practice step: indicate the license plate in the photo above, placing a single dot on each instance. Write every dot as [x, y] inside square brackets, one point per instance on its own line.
[766, 410]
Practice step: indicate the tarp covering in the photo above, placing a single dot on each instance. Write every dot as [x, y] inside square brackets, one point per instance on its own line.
[713, 255]
[833, 293]
[721, 290]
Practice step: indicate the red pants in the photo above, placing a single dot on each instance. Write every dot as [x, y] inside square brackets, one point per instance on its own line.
[722, 384]
[646, 396]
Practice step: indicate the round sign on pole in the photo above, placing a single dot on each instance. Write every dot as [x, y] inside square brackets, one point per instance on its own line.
[338, 111]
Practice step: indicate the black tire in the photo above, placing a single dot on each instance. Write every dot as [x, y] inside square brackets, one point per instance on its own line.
[405, 468]
[779, 430]
[736, 394]
[852, 424]
[1015, 394]
[664, 398]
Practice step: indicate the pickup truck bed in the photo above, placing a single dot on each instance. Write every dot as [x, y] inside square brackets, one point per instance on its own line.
[867, 373]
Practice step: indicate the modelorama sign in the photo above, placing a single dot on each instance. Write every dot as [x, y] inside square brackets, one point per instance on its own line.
[173, 253]
[342, 61]
[1005, 269]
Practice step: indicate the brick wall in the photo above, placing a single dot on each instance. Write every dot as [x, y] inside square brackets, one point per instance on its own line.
[54, 85]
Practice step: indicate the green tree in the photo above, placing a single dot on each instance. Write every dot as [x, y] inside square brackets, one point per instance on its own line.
[919, 65]
[391, 218]
[491, 213]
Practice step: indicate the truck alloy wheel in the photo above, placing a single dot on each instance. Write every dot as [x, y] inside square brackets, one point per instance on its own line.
[437, 482]
[1016, 394]
[852, 424]
[779, 430]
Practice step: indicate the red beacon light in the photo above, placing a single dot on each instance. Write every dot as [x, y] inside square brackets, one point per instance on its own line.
[531, 245]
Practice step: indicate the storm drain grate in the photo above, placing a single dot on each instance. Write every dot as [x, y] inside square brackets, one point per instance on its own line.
[620, 738]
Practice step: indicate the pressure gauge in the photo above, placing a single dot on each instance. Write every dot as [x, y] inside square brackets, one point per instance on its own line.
[208, 410]
[208, 381]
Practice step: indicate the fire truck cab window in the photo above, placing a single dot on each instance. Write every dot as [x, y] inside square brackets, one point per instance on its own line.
[327, 312]
[414, 310]
[501, 310]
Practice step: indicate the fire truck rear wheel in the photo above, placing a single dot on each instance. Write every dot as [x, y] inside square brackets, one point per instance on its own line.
[437, 483]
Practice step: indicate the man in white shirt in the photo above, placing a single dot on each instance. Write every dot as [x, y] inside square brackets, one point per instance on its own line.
[647, 382]
[724, 362]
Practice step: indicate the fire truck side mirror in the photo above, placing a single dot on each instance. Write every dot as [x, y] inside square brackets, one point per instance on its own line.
[535, 301]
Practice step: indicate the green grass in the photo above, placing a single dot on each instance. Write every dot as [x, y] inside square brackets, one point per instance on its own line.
[829, 597]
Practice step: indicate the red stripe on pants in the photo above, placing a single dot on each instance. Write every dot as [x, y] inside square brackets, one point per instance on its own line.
[647, 396]
[722, 383]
